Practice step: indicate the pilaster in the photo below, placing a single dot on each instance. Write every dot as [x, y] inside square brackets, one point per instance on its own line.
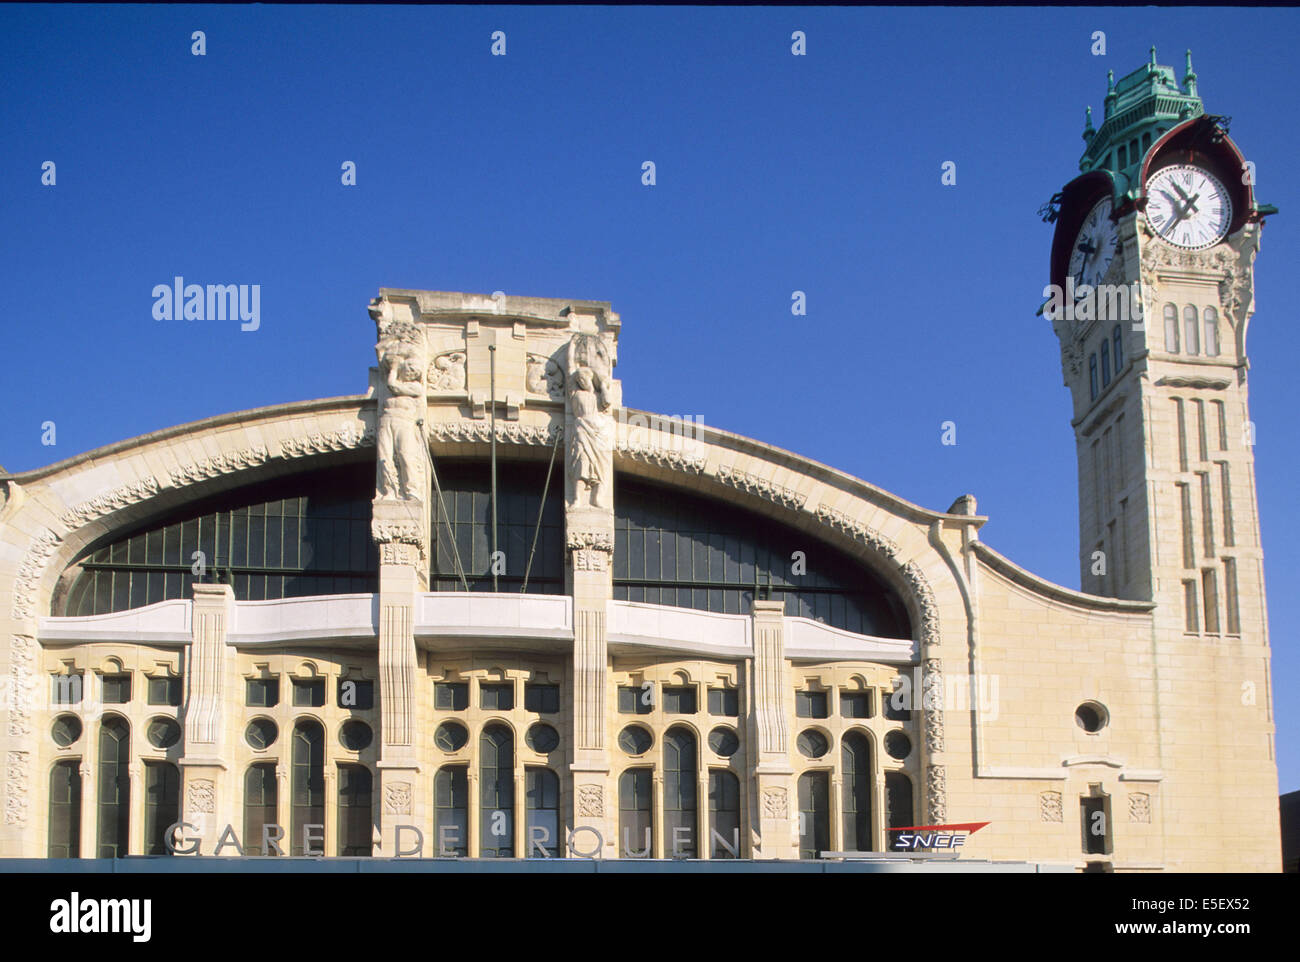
[768, 732]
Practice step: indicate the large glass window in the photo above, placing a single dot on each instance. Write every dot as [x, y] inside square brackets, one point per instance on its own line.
[542, 797]
[635, 818]
[857, 793]
[497, 793]
[164, 690]
[543, 699]
[308, 774]
[679, 699]
[162, 805]
[814, 814]
[261, 795]
[680, 791]
[671, 548]
[451, 811]
[115, 689]
[724, 701]
[898, 805]
[811, 704]
[304, 535]
[724, 814]
[65, 810]
[1117, 339]
[356, 826]
[114, 787]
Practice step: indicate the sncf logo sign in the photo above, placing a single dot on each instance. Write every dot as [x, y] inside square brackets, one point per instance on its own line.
[913, 837]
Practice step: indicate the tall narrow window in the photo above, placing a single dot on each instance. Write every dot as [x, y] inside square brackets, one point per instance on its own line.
[1211, 332]
[1203, 446]
[857, 793]
[1182, 433]
[1119, 454]
[1097, 482]
[1191, 618]
[542, 798]
[814, 814]
[496, 793]
[1094, 811]
[308, 774]
[356, 824]
[1191, 330]
[1107, 453]
[1207, 515]
[1185, 500]
[1111, 573]
[1123, 546]
[724, 814]
[114, 787]
[1210, 590]
[451, 811]
[162, 804]
[680, 791]
[898, 805]
[635, 827]
[1092, 376]
[1146, 142]
[1123, 156]
[1230, 595]
[1117, 342]
[1223, 425]
[1105, 362]
[65, 810]
[1225, 489]
[1171, 329]
[261, 796]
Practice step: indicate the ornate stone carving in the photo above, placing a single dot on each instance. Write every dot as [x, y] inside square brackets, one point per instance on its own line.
[397, 798]
[119, 498]
[544, 377]
[591, 801]
[591, 448]
[219, 465]
[753, 484]
[398, 553]
[1050, 808]
[591, 549]
[916, 580]
[509, 432]
[932, 704]
[402, 454]
[447, 372]
[936, 794]
[201, 797]
[857, 531]
[1139, 807]
[774, 803]
[664, 457]
[29, 574]
[1232, 262]
[23, 683]
[342, 440]
[16, 785]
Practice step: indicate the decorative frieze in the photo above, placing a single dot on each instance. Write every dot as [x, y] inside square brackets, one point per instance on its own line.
[16, 787]
[342, 440]
[591, 549]
[30, 572]
[115, 500]
[1050, 807]
[663, 457]
[219, 465]
[857, 531]
[936, 794]
[753, 484]
[508, 432]
[929, 611]
[22, 684]
[591, 801]
[447, 372]
[932, 703]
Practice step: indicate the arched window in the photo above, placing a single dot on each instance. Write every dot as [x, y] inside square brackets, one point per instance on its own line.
[680, 791]
[65, 810]
[356, 824]
[635, 819]
[898, 804]
[261, 796]
[814, 814]
[857, 789]
[1105, 362]
[1117, 339]
[162, 804]
[542, 799]
[1171, 329]
[1191, 330]
[1211, 332]
[497, 793]
[114, 787]
[308, 773]
[1092, 376]
[451, 811]
[724, 814]
[1146, 143]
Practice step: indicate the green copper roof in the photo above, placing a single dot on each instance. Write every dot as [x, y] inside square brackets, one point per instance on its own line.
[1139, 109]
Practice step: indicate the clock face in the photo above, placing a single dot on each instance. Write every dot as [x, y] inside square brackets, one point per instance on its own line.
[1095, 247]
[1188, 206]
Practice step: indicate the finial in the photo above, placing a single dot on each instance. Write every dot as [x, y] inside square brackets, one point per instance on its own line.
[1189, 78]
[1153, 55]
[1088, 131]
[1110, 81]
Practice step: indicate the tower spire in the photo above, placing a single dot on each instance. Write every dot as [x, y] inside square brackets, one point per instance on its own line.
[1088, 130]
[1189, 78]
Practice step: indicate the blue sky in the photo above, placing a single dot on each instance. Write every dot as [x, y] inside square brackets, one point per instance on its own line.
[522, 173]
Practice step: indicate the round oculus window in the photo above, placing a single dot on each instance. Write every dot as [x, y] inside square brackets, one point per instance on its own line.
[1091, 717]
[724, 742]
[261, 733]
[451, 736]
[812, 743]
[163, 733]
[898, 745]
[65, 730]
[355, 735]
[542, 739]
[635, 740]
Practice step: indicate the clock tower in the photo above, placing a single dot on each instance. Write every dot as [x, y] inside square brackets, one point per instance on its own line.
[1154, 252]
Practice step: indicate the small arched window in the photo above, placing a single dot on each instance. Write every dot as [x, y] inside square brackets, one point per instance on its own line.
[680, 784]
[65, 810]
[1092, 376]
[1191, 330]
[814, 814]
[162, 804]
[451, 811]
[356, 825]
[898, 804]
[308, 773]
[1117, 340]
[114, 787]
[724, 814]
[497, 793]
[1211, 332]
[542, 798]
[635, 826]
[261, 796]
[1171, 329]
[857, 793]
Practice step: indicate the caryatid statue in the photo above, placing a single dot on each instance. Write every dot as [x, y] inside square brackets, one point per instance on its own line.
[400, 437]
[591, 448]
